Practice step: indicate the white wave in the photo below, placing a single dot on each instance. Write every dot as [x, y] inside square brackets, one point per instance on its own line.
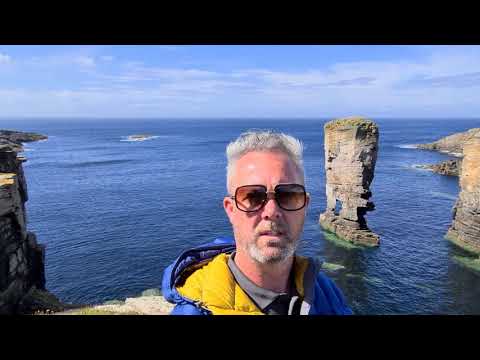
[131, 138]
[407, 146]
[459, 155]
[443, 195]
[419, 167]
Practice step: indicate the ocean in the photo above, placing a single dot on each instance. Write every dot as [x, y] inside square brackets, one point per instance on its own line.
[114, 213]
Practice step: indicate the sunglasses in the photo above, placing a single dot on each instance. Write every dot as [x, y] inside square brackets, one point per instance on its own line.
[250, 198]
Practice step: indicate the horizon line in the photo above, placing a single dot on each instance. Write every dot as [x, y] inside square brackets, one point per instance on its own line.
[230, 118]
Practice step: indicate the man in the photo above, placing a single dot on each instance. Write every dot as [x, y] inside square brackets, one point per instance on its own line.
[259, 273]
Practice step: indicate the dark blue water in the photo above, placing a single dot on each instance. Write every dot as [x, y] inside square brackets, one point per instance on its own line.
[114, 214]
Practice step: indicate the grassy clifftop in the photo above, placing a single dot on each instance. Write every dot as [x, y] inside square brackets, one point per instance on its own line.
[352, 121]
[150, 302]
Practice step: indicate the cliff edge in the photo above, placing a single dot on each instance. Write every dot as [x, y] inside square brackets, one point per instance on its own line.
[465, 228]
[22, 259]
[13, 140]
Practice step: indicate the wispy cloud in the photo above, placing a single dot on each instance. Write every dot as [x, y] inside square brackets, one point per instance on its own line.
[451, 81]
[5, 59]
[138, 72]
[54, 62]
[315, 78]
[98, 84]
[85, 61]
[107, 58]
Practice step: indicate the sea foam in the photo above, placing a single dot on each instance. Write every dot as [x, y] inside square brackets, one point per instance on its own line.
[406, 146]
[130, 139]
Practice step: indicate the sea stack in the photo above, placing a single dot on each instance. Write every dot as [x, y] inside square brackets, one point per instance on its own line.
[465, 228]
[351, 146]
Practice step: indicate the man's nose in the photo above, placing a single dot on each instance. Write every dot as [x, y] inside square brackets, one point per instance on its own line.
[271, 209]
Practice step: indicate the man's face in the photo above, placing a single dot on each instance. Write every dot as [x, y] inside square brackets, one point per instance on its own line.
[270, 234]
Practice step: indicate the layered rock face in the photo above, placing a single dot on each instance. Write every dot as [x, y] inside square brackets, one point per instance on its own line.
[452, 144]
[22, 275]
[351, 146]
[465, 228]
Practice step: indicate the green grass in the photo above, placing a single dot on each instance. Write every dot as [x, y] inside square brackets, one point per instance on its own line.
[352, 121]
[93, 311]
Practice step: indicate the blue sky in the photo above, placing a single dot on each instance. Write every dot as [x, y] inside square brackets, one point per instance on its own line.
[239, 81]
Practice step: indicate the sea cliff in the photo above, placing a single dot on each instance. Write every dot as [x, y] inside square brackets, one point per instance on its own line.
[12, 140]
[465, 228]
[22, 258]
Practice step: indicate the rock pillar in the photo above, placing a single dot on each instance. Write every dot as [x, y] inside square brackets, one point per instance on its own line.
[351, 146]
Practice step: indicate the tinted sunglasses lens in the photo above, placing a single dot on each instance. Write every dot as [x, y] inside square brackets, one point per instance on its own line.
[291, 197]
[250, 198]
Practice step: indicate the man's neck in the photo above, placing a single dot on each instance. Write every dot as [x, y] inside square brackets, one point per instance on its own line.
[273, 277]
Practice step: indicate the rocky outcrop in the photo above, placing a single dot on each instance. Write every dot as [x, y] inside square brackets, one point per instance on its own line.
[351, 146]
[12, 140]
[22, 274]
[452, 144]
[448, 167]
[465, 228]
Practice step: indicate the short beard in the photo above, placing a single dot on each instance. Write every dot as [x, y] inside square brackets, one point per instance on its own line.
[285, 253]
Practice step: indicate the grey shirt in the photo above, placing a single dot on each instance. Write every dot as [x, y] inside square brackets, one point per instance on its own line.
[268, 301]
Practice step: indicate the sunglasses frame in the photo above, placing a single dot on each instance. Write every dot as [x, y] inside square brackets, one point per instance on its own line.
[305, 195]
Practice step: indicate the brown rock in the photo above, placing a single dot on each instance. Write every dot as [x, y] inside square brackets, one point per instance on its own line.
[448, 167]
[452, 144]
[22, 259]
[12, 140]
[350, 155]
[465, 228]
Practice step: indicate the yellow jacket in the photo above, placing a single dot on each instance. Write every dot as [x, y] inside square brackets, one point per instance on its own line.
[212, 286]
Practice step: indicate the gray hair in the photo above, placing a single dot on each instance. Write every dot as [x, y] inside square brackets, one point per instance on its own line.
[264, 140]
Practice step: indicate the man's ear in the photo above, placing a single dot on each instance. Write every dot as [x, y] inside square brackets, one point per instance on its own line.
[228, 206]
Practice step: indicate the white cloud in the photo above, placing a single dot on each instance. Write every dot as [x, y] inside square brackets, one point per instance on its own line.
[5, 59]
[430, 85]
[172, 74]
[85, 61]
[54, 62]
